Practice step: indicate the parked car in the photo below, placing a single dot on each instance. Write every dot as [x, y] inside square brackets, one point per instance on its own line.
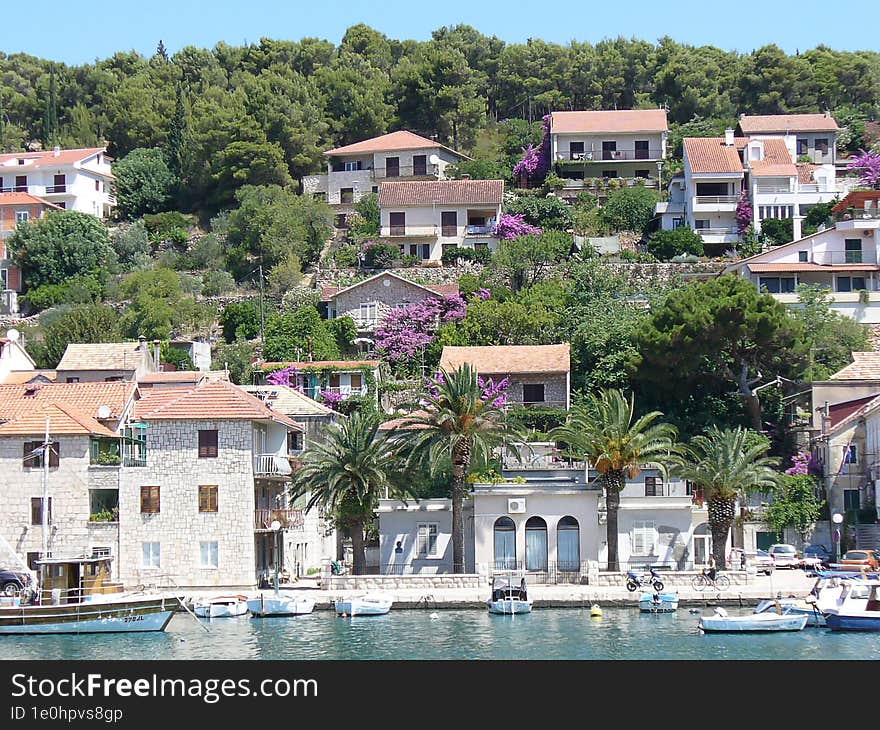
[784, 556]
[816, 556]
[861, 559]
[13, 581]
[764, 562]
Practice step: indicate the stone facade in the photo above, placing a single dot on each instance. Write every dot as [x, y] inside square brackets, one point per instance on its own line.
[555, 387]
[386, 292]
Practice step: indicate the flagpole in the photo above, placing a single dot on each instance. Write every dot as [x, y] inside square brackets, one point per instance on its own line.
[45, 509]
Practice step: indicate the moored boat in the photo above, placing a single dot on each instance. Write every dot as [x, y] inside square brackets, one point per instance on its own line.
[367, 604]
[658, 602]
[508, 598]
[793, 607]
[275, 604]
[721, 622]
[851, 606]
[221, 607]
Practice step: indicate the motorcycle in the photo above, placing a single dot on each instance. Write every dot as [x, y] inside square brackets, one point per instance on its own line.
[635, 581]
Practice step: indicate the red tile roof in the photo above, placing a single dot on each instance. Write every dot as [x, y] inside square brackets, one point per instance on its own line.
[173, 376]
[497, 359]
[856, 199]
[711, 155]
[777, 161]
[441, 192]
[85, 397]
[329, 292]
[63, 419]
[865, 366]
[805, 173]
[209, 400]
[401, 140]
[763, 124]
[47, 158]
[629, 120]
[24, 199]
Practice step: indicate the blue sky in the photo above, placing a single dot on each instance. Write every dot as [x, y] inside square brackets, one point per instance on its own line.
[80, 33]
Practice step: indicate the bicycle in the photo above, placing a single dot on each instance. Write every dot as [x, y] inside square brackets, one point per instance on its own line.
[703, 581]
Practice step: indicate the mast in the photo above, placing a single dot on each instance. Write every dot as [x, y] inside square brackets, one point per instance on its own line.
[45, 503]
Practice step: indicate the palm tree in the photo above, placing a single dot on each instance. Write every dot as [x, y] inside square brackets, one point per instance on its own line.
[725, 466]
[348, 473]
[461, 420]
[601, 430]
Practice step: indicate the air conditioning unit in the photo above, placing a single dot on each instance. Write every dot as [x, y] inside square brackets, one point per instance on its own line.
[516, 506]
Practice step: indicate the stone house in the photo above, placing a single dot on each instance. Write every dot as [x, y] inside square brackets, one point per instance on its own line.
[107, 361]
[540, 375]
[327, 380]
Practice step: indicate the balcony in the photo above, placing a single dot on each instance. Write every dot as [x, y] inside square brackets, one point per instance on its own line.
[488, 230]
[627, 155]
[841, 258]
[406, 231]
[542, 461]
[731, 231]
[405, 171]
[55, 189]
[346, 390]
[769, 189]
[272, 465]
[716, 200]
[290, 519]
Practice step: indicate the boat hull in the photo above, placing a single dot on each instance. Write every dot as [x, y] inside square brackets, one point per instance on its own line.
[281, 606]
[801, 608]
[665, 603]
[508, 607]
[221, 610]
[751, 624]
[837, 622]
[104, 617]
[363, 606]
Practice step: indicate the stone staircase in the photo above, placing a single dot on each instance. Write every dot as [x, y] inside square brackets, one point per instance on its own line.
[868, 536]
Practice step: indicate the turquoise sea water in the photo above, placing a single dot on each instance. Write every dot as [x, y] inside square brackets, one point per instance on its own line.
[623, 633]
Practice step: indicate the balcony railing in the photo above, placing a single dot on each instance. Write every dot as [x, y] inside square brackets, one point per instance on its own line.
[773, 189]
[51, 189]
[290, 519]
[717, 231]
[345, 389]
[609, 155]
[540, 461]
[838, 258]
[272, 465]
[862, 214]
[486, 230]
[385, 173]
[406, 231]
[716, 199]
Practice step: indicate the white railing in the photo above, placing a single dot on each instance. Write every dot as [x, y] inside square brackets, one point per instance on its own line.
[717, 231]
[345, 390]
[272, 465]
[829, 258]
[407, 231]
[771, 189]
[716, 199]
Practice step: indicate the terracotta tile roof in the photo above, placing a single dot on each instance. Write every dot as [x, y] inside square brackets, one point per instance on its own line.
[401, 140]
[287, 400]
[764, 168]
[86, 398]
[321, 364]
[24, 199]
[856, 199]
[441, 192]
[805, 173]
[865, 366]
[18, 377]
[209, 400]
[63, 420]
[508, 359]
[47, 158]
[174, 376]
[844, 414]
[628, 120]
[101, 356]
[763, 124]
[797, 266]
[329, 292]
[711, 155]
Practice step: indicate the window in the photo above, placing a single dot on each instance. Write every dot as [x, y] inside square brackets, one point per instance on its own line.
[644, 174]
[397, 222]
[346, 195]
[712, 189]
[426, 251]
[852, 454]
[609, 150]
[568, 544]
[609, 173]
[426, 540]
[97, 186]
[59, 184]
[392, 167]
[803, 146]
[369, 311]
[533, 392]
[777, 284]
[32, 454]
[351, 166]
[21, 183]
[420, 164]
[209, 556]
[150, 555]
[642, 150]
[821, 145]
[536, 544]
[21, 216]
[505, 544]
[207, 443]
[677, 223]
[37, 511]
[803, 256]
[71, 380]
[853, 248]
[701, 224]
[207, 498]
[643, 537]
[150, 500]
[851, 499]
[850, 283]
[113, 379]
[375, 189]
[356, 382]
[294, 442]
[576, 150]
[653, 487]
[448, 223]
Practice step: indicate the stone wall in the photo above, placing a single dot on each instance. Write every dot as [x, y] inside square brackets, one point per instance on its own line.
[386, 292]
[398, 582]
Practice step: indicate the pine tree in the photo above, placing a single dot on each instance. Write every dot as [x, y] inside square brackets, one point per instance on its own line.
[50, 116]
[178, 134]
[161, 51]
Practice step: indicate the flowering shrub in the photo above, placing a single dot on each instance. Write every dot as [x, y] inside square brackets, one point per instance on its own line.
[744, 213]
[535, 163]
[407, 331]
[482, 293]
[799, 464]
[285, 376]
[867, 164]
[332, 399]
[493, 393]
[511, 226]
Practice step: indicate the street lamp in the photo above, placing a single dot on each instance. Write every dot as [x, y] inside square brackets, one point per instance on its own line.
[837, 519]
[276, 531]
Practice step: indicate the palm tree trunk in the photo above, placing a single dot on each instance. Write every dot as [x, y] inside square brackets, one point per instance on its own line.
[358, 548]
[614, 483]
[721, 512]
[461, 460]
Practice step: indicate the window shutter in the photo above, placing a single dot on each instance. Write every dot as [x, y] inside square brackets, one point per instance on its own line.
[54, 454]
[207, 443]
[150, 502]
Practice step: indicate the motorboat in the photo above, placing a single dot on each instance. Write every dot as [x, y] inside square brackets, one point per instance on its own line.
[221, 607]
[851, 605]
[276, 604]
[508, 598]
[792, 606]
[367, 604]
[721, 622]
[658, 602]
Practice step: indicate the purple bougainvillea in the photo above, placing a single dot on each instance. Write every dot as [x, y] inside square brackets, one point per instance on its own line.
[331, 398]
[493, 393]
[482, 293]
[405, 332]
[535, 164]
[511, 226]
[285, 376]
[744, 213]
[867, 164]
[800, 464]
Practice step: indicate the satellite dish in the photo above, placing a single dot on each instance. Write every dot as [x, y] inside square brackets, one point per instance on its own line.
[13, 334]
[434, 160]
[104, 412]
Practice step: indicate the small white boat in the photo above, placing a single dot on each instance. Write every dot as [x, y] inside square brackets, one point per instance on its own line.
[658, 602]
[221, 607]
[721, 622]
[507, 598]
[368, 604]
[852, 605]
[792, 607]
[275, 604]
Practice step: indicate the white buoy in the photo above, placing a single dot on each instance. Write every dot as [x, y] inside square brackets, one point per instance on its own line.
[434, 616]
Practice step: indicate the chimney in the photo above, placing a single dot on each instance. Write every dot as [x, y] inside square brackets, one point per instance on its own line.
[728, 137]
[157, 354]
[57, 151]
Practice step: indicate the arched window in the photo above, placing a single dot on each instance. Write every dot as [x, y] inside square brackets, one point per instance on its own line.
[536, 544]
[505, 544]
[568, 544]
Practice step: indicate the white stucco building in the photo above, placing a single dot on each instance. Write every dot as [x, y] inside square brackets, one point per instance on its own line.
[77, 179]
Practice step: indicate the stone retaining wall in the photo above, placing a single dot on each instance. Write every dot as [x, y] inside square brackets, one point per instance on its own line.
[672, 579]
[394, 582]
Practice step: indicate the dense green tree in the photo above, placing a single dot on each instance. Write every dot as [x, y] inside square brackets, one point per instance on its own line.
[541, 211]
[144, 183]
[299, 336]
[664, 245]
[630, 208]
[778, 230]
[236, 358]
[525, 260]
[795, 505]
[241, 320]
[83, 323]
